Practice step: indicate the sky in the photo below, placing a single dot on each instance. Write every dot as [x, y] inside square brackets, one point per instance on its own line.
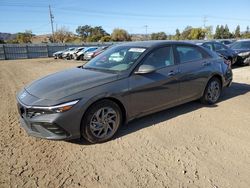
[136, 16]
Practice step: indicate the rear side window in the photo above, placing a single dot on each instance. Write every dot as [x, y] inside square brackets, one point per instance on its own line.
[208, 46]
[188, 53]
[219, 47]
[161, 57]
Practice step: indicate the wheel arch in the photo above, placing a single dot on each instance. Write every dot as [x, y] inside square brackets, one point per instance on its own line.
[113, 99]
[215, 75]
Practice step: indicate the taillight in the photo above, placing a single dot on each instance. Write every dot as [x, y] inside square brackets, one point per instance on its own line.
[228, 62]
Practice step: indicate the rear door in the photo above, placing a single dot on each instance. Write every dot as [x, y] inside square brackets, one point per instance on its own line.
[157, 89]
[194, 71]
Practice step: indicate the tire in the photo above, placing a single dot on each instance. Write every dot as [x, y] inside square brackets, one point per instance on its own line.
[101, 121]
[212, 91]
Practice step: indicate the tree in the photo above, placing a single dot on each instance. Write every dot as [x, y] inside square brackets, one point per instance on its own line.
[91, 34]
[2, 41]
[177, 34]
[63, 35]
[83, 31]
[24, 37]
[159, 36]
[120, 35]
[209, 32]
[217, 34]
[226, 33]
[237, 32]
[106, 38]
[247, 31]
[185, 34]
[197, 33]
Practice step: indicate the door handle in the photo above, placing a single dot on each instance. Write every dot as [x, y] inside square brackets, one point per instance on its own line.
[206, 63]
[172, 73]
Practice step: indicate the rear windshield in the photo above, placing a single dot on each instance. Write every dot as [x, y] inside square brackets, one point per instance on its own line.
[241, 45]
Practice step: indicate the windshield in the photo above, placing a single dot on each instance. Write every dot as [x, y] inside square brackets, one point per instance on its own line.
[119, 58]
[241, 45]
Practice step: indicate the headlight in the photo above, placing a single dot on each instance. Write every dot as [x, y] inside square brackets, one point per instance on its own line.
[40, 110]
[244, 54]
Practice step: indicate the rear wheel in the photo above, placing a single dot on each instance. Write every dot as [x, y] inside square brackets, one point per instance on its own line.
[101, 121]
[212, 92]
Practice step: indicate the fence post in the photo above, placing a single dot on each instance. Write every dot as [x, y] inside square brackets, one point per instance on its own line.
[5, 57]
[47, 47]
[27, 51]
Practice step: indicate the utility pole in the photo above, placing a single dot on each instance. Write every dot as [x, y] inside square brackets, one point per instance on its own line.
[51, 22]
[146, 31]
[204, 21]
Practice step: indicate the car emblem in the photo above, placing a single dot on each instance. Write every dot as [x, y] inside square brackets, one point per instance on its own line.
[23, 95]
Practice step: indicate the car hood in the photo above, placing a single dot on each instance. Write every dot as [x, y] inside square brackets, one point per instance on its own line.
[59, 52]
[68, 82]
[241, 50]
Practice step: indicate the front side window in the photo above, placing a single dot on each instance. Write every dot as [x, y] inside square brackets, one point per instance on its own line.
[160, 58]
[208, 46]
[188, 53]
[119, 58]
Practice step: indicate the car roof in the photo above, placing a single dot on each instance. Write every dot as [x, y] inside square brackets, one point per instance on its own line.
[243, 40]
[153, 43]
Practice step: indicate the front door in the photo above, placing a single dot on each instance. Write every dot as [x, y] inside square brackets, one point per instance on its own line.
[158, 89]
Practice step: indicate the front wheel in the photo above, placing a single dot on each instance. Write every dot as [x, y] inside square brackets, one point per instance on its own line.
[212, 92]
[101, 121]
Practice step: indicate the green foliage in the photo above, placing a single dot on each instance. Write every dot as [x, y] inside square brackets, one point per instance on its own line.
[106, 38]
[246, 34]
[2, 41]
[222, 32]
[159, 36]
[197, 33]
[190, 33]
[23, 37]
[120, 35]
[177, 34]
[91, 34]
[237, 32]
[209, 32]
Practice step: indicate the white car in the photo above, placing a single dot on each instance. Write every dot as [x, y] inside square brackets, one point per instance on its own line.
[67, 54]
[80, 54]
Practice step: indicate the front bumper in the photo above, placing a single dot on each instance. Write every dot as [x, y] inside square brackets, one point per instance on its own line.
[56, 126]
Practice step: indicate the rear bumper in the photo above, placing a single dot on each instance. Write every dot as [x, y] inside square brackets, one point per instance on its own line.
[228, 78]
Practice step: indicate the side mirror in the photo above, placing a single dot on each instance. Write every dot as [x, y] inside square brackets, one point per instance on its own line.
[145, 69]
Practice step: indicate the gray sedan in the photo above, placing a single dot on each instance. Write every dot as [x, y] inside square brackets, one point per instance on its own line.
[125, 82]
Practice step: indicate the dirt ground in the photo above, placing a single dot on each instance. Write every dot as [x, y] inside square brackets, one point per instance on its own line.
[187, 146]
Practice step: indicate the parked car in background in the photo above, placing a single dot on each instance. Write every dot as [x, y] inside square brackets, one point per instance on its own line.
[67, 54]
[91, 54]
[227, 42]
[80, 54]
[70, 54]
[58, 54]
[95, 99]
[222, 50]
[242, 49]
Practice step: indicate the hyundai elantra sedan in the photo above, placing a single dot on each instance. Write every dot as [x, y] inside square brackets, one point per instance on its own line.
[125, 82]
